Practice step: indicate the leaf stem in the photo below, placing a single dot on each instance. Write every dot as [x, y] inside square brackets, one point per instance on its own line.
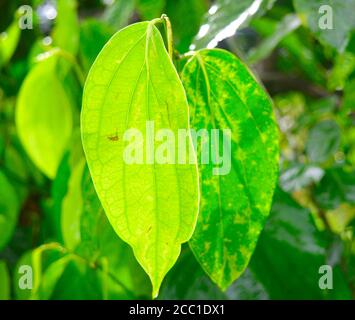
[164, 19]
[169, 34]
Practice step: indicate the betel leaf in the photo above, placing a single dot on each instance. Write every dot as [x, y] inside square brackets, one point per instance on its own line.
[225, 18]
[44, 116]
[9, 209]
[224, 95]
[331, 21]
[151, 205]
[323, 141]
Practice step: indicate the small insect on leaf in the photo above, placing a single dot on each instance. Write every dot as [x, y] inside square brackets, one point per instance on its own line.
[113, 138]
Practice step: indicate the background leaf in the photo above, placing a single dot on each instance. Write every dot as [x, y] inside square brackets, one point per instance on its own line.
[66, 32]
[42, 101]
[323, 141]
[4, 281]
[343, 22]
[9, 210]
[290, 252]
[225, 18]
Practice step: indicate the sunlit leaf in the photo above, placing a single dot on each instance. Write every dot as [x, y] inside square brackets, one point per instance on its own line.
[44, 116]
[224, 95]
[151, 206]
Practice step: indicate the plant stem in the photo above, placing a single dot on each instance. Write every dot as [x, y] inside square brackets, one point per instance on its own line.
[169, 34]
[164, 19]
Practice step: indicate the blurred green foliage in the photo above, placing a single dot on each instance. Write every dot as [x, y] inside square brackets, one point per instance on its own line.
[50, 216]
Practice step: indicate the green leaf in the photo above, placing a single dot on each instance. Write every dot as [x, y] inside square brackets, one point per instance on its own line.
[341, 14]
[290, 252]
[152, 207]
[288, 24]
[66, 32]
[223, 94]
[44, 116]
[4, 281]
[225, 18]
[8, 42]
[9, 209]
[323, 141]
[336, 187]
